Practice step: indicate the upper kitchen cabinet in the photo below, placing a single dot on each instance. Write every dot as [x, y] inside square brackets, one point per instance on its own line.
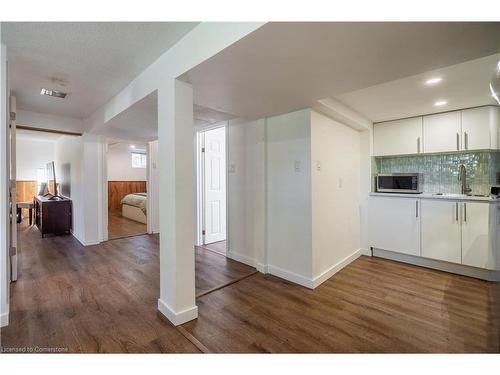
[442, 132]
[398, 137]
[480, 128]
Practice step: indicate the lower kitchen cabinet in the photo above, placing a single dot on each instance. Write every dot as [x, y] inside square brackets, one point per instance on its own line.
[394, 224]
[477, 238]
[441, 230]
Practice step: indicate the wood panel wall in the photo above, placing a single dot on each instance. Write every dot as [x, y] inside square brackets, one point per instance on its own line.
[25, 191]
[118, 189]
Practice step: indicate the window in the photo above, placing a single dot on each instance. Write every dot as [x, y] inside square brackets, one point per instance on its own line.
[139, 160]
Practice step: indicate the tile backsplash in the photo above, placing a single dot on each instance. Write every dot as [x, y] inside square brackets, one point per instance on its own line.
[441, 170]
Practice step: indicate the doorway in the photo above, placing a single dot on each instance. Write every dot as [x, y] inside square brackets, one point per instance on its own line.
[127, 189]
[212, 189]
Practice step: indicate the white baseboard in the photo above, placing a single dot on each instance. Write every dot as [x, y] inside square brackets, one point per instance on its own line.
[318, 280]
[85, 243]
[177, 318]
[241, 258]
[4, 319]
[262, 268]
[290, 276]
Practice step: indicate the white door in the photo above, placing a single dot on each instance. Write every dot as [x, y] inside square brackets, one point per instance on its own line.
[442, 132]
[12, 189]
[441, 230]
[477, 246]
[215, 185]
[394, 224]
[398, 137]
[478, 128]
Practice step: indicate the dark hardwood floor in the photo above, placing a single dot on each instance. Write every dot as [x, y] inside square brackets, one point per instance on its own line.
[218, 247]
[371, 306]
[121, 227]
[103, 299]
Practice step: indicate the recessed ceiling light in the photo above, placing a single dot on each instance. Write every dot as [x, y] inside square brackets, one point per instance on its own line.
[440, 103]
[132, 147]
[54, 93]
[433, 81]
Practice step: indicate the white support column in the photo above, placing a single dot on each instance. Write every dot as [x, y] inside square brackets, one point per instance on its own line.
[177, 196]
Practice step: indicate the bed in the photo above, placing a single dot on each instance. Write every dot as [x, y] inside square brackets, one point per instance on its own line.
[134, 207]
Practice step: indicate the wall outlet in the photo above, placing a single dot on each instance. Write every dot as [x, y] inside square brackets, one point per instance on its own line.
[318, 165]
[232, 168]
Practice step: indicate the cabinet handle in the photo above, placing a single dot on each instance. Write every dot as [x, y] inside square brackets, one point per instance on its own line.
[418, 145]
[456, 211]
[458, 142]
[465, 212]
[466, 139]
[416, 208]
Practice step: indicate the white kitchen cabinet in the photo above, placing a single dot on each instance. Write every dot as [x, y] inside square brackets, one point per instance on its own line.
[394, 224]
[479, 128]
[442, 132]
[398, 137]
[441, 230]
[477, 243]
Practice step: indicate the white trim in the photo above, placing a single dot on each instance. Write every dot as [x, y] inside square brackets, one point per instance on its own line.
[318, 280]
[84, 243]
[478, 273]
[262, 268]
[180, 317]
[241, 258]
[4, 319]
[290, 276]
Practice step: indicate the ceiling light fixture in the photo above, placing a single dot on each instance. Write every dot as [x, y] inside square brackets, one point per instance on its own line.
[433, 81]
[54, 93]
[132, 147]
[440, 103]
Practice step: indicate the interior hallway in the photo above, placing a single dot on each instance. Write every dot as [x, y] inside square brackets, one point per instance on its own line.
[103, 299]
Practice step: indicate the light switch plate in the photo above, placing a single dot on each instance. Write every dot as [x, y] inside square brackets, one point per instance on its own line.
[297, 165]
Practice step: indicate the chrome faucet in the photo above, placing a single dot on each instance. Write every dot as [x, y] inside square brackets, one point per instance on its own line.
[462, 177]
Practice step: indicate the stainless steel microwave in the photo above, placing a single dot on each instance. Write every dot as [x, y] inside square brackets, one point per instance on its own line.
[409, 183]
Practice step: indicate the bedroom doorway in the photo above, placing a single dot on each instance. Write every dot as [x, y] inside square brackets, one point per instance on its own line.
[127, 189]
[212, 190]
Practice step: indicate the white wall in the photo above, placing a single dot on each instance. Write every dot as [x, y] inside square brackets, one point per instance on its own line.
[48, 121]
[246, 191]
[80, 156]
[289, 196]
[153, 188]
[4, 198]
[120, 165]
[32, 155]
[335, 153]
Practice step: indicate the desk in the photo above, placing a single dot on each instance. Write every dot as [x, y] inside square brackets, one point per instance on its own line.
[29, 206]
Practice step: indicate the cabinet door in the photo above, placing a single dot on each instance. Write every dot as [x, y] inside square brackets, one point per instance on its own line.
[477, 246]
[398, 137]
[441, 230]
[442, 132]
[394, 224]
[479, 128]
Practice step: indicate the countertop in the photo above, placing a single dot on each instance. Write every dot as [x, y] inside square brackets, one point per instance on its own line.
[454, 197]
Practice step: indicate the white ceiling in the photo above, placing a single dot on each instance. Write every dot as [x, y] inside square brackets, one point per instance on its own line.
[138, 123]
[92, 61]
[287, 66]
[463, 85]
